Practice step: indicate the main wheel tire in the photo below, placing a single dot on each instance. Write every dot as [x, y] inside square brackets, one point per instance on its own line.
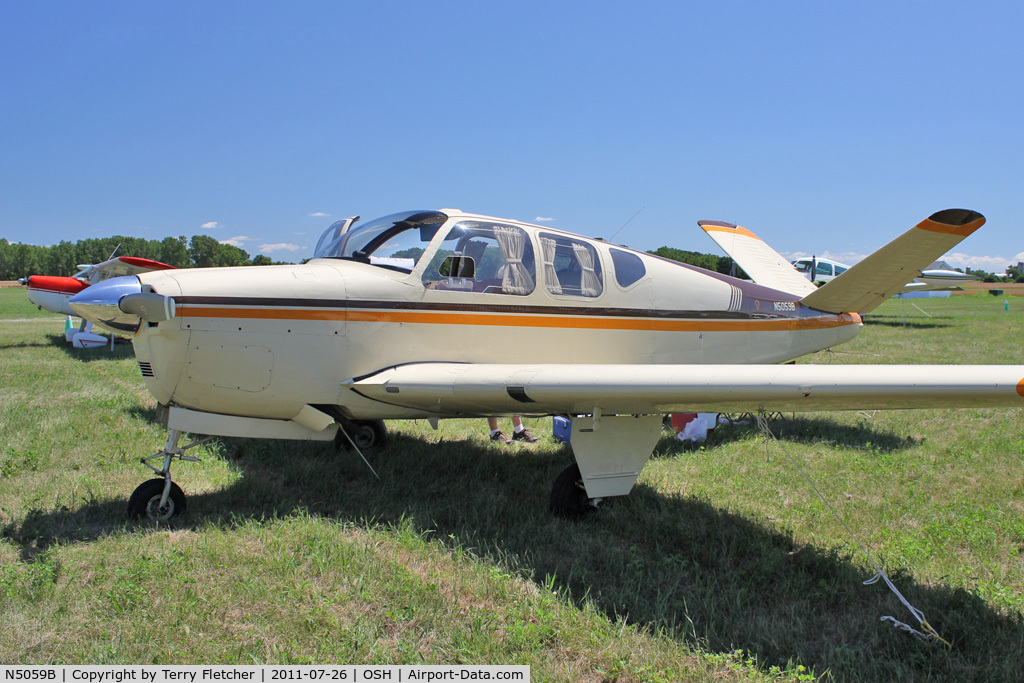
[145, 501]
[365, 433]
[568, 497]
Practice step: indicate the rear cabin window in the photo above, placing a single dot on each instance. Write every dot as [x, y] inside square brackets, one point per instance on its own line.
[629, 268]
[571, 267]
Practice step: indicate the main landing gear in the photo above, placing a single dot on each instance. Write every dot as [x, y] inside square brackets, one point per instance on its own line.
[161, 499]
[568, 496]
[361, 434]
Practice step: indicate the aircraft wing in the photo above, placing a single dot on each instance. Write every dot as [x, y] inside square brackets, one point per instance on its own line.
[490, 389]
[884, 273]
[125, 265]
[763, 264]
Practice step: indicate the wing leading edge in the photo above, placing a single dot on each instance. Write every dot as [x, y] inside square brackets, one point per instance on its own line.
[474, 390]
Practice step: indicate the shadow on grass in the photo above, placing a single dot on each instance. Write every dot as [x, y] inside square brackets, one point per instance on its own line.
[935, 322]
[675, 565]
[120, 351]
[24, 345]
[789, 428]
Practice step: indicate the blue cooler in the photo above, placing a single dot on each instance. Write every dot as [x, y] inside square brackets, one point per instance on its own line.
[561, 429]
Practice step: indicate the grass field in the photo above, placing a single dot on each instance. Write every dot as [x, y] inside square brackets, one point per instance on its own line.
[721, 565]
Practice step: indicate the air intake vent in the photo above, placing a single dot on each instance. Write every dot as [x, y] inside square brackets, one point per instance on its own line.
[146, 368]
[735, 298]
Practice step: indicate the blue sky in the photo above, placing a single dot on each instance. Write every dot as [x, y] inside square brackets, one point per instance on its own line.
[826, 128]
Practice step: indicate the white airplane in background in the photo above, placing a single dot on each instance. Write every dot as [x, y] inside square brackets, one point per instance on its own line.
[52, 292]
[931, 279]
[435, 314]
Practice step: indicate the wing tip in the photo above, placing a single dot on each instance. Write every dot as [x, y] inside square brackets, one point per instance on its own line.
[960, 222]
[731, 228]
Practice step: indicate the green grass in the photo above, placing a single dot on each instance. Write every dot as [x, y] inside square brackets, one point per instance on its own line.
[721, 565]
[14, 304]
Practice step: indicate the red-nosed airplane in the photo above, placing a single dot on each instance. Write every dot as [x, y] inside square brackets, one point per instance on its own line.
[435, 314]
[52, 292]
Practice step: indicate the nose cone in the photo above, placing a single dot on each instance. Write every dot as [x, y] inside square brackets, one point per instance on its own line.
[99, 304]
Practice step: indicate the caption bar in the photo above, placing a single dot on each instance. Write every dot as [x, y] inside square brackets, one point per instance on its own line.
[261, 674]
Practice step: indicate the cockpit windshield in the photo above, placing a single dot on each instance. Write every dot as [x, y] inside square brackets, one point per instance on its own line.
[396, 241]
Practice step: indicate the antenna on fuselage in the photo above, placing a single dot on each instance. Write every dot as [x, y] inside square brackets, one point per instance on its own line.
[626, 223]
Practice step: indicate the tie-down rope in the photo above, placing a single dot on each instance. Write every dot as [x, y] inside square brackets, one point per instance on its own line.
[928, 633]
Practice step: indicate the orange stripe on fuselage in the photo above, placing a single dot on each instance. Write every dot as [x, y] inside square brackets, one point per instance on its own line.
[509, 320]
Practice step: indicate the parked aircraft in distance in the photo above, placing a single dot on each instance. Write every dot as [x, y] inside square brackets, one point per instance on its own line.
[52, 292]
[938, 277]
[440, 313]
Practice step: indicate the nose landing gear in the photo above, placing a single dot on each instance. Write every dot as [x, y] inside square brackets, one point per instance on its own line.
[160, 499]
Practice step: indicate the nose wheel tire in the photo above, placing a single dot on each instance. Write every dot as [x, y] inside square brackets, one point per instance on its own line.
[145, 501]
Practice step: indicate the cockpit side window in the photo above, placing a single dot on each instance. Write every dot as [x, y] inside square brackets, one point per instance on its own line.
[571, 266]
[502, 255]
[395, 242]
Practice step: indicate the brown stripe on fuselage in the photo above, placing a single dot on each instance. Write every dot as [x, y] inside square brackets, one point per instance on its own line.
[525, 316]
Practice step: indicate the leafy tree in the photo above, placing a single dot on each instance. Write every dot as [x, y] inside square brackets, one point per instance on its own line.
[61, 259]
[26, 260]
[230, 255]
[717, 264]
[204, 251]
[174, 252]
[5, 260]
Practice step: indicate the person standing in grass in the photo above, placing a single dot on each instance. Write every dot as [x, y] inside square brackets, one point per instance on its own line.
[519, 432]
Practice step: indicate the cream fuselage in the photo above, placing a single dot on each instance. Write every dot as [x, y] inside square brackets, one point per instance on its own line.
[266, 341]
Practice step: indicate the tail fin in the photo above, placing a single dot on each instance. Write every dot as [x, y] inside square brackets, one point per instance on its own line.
[764, 265]
[884, 273]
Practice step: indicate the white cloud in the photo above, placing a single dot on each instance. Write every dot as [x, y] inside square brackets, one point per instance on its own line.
[235, 241]
[280, 246]
[543, 219]
[992, 264]
[210, 225]
[319, 214]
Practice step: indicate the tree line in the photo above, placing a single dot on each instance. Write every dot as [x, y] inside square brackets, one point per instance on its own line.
[19, 260]
[1013, 274]
[716, 264]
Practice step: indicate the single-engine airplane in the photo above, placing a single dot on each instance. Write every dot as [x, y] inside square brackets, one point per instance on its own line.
[931, 279]
[53, 292]
[436, 314]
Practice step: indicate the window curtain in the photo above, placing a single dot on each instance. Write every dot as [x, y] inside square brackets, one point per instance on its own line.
[590, 285]
[516, 279]
[547, 248]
